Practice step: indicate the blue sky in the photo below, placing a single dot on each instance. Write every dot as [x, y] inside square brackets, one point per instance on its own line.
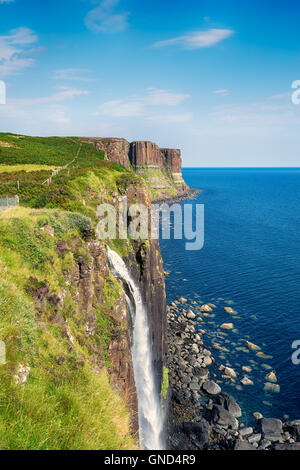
[210, 77]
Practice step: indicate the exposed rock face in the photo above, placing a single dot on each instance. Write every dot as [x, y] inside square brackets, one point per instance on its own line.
[89, 279]
[147, 268]
[116, 149]
[144, 156]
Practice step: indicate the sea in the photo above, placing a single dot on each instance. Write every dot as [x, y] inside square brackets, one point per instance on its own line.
[250, 262]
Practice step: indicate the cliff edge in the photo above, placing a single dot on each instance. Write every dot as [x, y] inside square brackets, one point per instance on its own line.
[159, 167]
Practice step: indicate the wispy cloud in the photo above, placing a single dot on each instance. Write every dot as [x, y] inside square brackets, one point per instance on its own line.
[105, 19]
[197, 39]
[72, 74]
[137, 106]
[14, 54]
[6, 1]
[65, 93]
[222, 91]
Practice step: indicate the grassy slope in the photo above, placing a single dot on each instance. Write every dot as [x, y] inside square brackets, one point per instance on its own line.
[65, 404]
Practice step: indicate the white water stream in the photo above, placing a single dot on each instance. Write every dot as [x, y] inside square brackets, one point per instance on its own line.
[150, 413]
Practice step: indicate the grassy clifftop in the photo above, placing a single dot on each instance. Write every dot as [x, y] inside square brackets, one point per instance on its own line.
[59, 305]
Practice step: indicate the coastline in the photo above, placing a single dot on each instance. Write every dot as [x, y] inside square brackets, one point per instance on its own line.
[190, 193]
[202, 416]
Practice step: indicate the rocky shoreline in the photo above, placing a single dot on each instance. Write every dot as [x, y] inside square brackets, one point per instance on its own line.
[202, 416]
[189, 193]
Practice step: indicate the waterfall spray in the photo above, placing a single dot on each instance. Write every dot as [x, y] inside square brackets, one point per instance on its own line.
[150, 413]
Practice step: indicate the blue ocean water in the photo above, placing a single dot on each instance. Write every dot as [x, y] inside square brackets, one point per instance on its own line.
[250, 261]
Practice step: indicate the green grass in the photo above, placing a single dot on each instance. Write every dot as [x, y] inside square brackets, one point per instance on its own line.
[165, 383]
[67, 403]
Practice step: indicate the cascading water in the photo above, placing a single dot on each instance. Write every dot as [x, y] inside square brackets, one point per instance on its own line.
[150, 413]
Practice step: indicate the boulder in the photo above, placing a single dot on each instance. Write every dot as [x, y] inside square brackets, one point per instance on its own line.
[271, 387]
[246, 381]
[211, 387]
[223, 418]
[227, 326]
[252, 346]
[286, 446]
[271, 377]
[242, 445]
[229, 403]
[230, 372]
[257, 416]
[271, 429]
[230, 310]
[205, 308]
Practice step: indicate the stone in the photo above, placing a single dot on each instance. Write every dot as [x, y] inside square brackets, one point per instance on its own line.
[182, 300]
[205, 308]
[229, 403]
[254, 438]
[195, 349]
[285, 446]
[230, 372]
[242, 445]
[245, 432]
[271, 429]
[191, 315]
[227, 326]
[271, 377]
[211, 387]
[246, 381]
[230, 310]
[223, 418]
[251, 345]
[247, 369]
[207, 361]
[48, 229]
[257, 416]
[271, 387]
[22, 374]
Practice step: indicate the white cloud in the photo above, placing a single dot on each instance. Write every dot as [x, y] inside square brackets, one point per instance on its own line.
[137, 106]
[222, 91]
[121, 108]
[6, 1]
[104, 19]
[158, 97]
[197, 39]
[65, 93]
[72, 74]
[14, 55]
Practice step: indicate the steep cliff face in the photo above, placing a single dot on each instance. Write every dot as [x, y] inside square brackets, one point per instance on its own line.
[116, 150]
[160, 167]
[146, 266]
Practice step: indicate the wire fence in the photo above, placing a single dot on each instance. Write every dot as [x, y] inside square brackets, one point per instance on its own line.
[7, 202]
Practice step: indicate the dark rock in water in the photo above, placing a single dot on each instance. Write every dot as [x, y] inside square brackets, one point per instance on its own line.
[242, 445]
[229, 404]
[271, 429]
[211, 387]
[292, 446]
[223, 418]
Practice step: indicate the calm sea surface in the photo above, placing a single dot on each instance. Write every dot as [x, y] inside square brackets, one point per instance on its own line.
[250, 261]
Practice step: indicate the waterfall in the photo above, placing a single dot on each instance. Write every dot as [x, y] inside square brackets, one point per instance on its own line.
[150, 413]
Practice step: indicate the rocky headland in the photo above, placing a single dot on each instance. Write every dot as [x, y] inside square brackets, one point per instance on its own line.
[202, 416]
